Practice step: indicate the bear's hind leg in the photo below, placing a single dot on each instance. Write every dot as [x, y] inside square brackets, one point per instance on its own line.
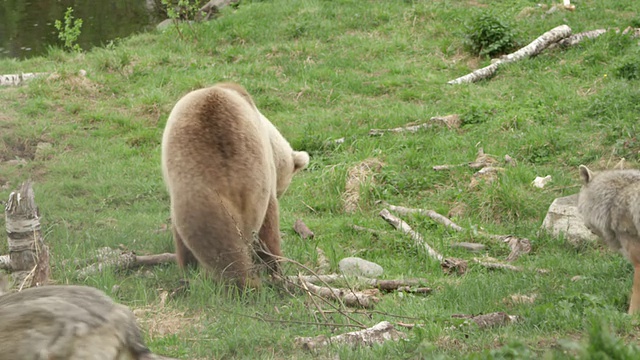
[269, 235]
[184, 256]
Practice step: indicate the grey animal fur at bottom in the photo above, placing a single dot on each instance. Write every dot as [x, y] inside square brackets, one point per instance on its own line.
[68, 322]
[609, 202]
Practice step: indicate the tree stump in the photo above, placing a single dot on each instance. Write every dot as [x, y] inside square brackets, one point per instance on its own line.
[28, 255]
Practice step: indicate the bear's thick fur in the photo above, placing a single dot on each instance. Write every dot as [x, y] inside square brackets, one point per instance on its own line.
[225, 165]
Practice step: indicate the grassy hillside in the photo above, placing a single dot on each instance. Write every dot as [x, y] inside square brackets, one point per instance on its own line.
[323, 70]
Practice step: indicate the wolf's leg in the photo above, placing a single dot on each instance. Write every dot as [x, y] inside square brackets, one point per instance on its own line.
[632, 246]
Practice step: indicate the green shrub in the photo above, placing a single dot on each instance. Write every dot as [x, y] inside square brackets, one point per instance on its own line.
[489, 35]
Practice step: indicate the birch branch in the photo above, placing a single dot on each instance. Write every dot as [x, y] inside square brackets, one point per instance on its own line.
[383, 285]
[489, 320]
[364, 299]
[377, 334]
[399, 224]
[17, 79]
[451, 121]
[121, 260]
[534, 48]
[519, 246]
[429, 213]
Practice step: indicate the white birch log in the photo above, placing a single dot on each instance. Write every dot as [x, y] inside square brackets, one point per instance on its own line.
[377, 334]
[17, 79]
[399, 224]
[534, 48]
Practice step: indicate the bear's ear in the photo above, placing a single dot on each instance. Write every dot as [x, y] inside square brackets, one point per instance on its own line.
[300, 160]
[585, 174]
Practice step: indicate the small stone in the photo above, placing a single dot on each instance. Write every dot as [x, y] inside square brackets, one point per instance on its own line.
[356, 266]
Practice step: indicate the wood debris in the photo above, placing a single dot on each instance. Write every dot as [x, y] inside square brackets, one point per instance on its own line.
[377, 334]
[489, 320]
[121, 260]
[533, 48]
[303, 230]
[450, 121]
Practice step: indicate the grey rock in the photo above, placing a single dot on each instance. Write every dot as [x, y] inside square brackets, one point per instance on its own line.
[563, 218]
[356, 266]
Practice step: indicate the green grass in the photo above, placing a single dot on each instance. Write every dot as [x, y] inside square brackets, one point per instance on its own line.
[323, 70]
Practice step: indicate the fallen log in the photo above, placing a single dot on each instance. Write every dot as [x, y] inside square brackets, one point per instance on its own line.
[122, 260]
[17, 79]
[399, 224]
[377, 334]
[364, 299]
[533, 48]
[489, 320]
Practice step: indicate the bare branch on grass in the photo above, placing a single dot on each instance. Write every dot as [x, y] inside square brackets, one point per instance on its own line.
[121, 260]
[377, 334]
[451, 121]
[323, 262]
[489, 320]
[17, 79]
[399, 224]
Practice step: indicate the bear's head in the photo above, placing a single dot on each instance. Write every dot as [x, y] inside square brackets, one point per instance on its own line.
[297, 161]
[287, 161]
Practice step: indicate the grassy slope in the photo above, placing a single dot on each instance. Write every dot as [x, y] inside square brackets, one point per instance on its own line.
[322, 70]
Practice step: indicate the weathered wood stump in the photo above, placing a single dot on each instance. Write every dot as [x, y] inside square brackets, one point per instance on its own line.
[28, 255]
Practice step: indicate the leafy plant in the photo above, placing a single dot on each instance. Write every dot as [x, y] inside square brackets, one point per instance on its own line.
[489, 35]
[182, 10]
[70, 31]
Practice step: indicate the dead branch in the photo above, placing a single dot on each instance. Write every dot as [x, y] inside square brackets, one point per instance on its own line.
[323, 263]
[399, 224]
[491, 263]
[534, 48]
[122, 260]
[407, 128]
[519, 246]
[28, 254]
[473, 247]
[482, 160]
[451, 121]
[377, 334]
[17, 79]
[577, 38]
[356, 176]
[364, 229]
[429, 213]
[489, 320]
[383, 285]
[365, 299]
[301, 229]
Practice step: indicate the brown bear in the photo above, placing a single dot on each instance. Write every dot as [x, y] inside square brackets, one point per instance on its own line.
[225, 165]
